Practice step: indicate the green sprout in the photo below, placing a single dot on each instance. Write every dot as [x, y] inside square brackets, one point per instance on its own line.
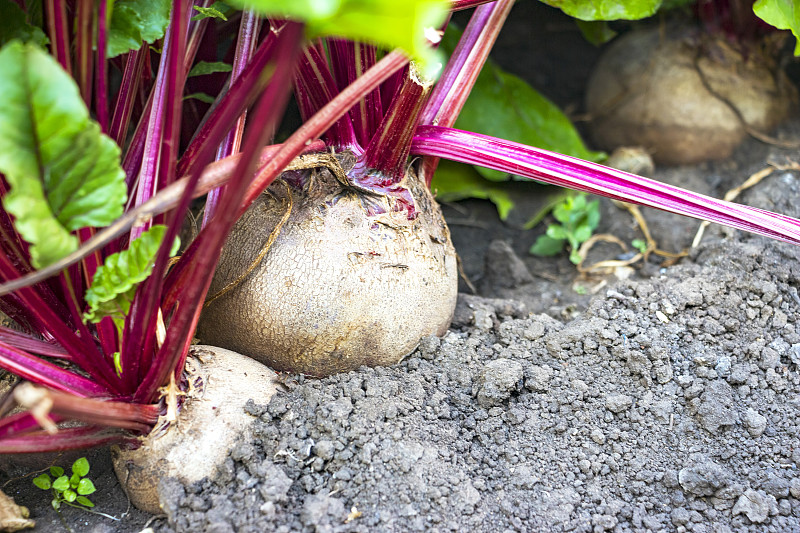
[70, 490]
[640, 244]
[577, 220]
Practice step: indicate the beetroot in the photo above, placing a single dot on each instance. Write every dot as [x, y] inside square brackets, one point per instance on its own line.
[350, 277]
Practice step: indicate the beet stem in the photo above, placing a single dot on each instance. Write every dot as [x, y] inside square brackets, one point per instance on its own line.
[459, 76]
[388, 149]
[38, 370]
[458, 5]
[349, 60]
[159, 170]
[135, 153]
[316, 87]
[571, 172]
[131, 75]
[101, 83]
[59, 34]
[23, 341]
[124, 415]
[67, 439]
[83, 48]
[20, 423]
[229, 106]
[246, 42]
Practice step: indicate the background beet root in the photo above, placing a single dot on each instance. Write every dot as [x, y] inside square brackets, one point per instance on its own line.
[683, 97]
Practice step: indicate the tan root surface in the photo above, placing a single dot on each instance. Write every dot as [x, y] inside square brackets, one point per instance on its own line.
[336, 288]
[13, 517]
[684, 97]
[211, 420]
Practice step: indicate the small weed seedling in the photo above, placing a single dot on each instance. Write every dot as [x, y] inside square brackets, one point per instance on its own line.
[640, 244]
[70, 490]
[577, 220]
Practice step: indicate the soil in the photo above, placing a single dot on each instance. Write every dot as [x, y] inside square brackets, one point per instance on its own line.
[668, 400]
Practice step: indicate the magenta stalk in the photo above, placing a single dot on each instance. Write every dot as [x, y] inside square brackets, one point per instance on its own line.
[68, 439]
[462, 70]
[101, 87]
[316, 87]
[571, 172]
[389, 147]
[159, 170]
[56, 12]
[349, 60]
[245, 46]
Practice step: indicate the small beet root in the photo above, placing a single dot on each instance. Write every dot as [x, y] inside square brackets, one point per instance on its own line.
[210, 421]
[350, 278]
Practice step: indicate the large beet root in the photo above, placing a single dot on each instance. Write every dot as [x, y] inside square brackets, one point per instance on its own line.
[211, 420]
[349, 280]
[684, 97]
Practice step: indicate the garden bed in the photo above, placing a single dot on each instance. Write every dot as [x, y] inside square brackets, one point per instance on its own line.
[557, 401]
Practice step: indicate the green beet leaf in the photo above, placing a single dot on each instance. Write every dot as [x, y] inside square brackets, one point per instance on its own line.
[134, 22]
[118, 363]
[14, 25]
[783, 14]
[593, 215]
[64, 174]
[607, 9]
[115, 282]
[217, 10]
[582, 233]
[547, 246]
[56, 471]
[35, 11]
[596, 32]
[209, 67]
[455, 181]
[203, 97]
[83, 500]
[69, 495]
[556, 232]
[384, 22]
[505, 106]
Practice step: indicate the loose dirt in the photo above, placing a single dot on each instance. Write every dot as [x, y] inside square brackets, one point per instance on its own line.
[667, 404]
